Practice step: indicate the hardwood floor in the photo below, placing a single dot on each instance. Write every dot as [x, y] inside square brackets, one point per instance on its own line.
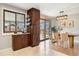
[69, 51]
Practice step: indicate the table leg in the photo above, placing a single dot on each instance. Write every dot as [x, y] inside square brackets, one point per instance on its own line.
[71, 41]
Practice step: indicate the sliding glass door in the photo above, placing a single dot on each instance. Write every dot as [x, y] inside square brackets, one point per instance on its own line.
[44, 29]
[47, 29]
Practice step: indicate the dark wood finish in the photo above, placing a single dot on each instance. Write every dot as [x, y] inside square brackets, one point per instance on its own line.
[33, 39]
[20, 41]
[34, 27]
[71, 40]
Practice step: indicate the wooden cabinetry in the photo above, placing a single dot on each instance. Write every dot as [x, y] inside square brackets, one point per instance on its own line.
[34, 15]
[33, 39]
[20, 41]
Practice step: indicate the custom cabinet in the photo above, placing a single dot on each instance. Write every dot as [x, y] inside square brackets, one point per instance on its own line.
[34, 16]
[33, 27]
[20, 41]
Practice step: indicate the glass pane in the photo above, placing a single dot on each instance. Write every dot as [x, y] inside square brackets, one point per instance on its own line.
[12, 26]
[47, 29]
[6, 26]
[20, 22]
[42, 29]
[9, 21]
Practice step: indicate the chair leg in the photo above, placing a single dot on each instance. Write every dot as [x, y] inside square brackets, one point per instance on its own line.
[58, 43]
[65, 44]
[61, 43]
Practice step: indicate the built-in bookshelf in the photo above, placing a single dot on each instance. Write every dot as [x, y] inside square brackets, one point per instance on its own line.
[28, 24]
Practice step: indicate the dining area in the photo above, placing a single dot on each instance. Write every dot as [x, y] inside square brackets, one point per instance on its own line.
[65, 40]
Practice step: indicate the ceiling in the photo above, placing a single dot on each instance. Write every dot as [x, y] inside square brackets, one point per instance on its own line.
[49, 9]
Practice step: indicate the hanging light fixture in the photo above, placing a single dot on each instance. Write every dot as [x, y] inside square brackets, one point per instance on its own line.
[62, 16]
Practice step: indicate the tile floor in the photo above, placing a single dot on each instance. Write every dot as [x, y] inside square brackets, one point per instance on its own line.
[44, 49]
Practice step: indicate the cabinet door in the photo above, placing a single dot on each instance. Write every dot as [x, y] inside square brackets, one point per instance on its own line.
[25, 40]
[16, 42]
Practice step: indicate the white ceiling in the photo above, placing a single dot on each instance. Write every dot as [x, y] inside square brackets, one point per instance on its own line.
[49, 9]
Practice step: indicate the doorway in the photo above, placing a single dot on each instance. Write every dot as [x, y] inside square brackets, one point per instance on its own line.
[44, 36]
[44, 29]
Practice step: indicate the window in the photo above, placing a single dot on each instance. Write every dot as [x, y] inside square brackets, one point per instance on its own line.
[20, 22]
[13, 21]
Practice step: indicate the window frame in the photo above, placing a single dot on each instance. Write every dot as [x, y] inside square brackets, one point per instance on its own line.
[15, 31]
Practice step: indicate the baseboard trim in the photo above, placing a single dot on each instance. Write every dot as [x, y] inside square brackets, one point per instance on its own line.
[8, 49]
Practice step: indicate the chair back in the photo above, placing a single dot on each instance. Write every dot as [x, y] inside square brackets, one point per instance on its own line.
[56, 36]
[64, 36]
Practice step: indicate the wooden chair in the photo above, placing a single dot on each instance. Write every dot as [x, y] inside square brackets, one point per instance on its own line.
[64, 40]
[56, 38]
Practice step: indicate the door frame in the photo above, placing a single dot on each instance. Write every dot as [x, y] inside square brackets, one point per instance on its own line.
[44, 29]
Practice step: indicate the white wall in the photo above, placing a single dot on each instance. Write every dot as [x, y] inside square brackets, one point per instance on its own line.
[74, 16]
[53, 21]
[6, 39]
[74, 29]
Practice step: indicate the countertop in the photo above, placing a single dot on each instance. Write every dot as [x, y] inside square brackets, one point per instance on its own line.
[20, 33]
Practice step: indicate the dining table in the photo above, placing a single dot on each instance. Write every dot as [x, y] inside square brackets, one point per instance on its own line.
[71, 39]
